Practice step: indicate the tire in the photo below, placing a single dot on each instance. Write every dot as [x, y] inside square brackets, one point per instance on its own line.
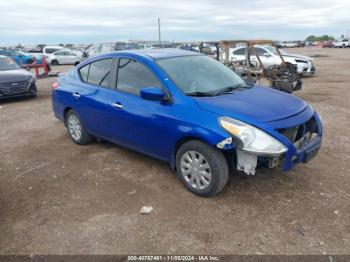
[76, 63]
[214, 160]
[76, 130]
[54, 62]
[30, 61]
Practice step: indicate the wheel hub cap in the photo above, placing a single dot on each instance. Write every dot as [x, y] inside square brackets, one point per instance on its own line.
[196, 170]
[74, 127]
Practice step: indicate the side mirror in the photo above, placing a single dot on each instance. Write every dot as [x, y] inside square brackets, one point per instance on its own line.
[266, 55]
[152, 93]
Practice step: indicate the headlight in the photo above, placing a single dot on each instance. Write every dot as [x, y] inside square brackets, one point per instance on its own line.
[252, 139]
[32, 79]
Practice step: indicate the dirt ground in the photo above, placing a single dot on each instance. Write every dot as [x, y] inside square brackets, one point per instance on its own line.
[60, 198]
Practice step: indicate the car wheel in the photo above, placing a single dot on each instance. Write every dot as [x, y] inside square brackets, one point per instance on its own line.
[30, 61]
[54, 62]
[76, 130]
[202, 168]
[76, 63]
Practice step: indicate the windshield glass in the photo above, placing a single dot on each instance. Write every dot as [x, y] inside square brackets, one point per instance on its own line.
[274, 51]
[7, 63]
[200, 74]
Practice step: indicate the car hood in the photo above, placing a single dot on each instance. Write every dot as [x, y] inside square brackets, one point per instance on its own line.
[258, 104]
[15, 75]
[297, 57]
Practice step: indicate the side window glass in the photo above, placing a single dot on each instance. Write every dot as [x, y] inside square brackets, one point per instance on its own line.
[100, 72]
[240, 51]
[133, 76]
[84, 72]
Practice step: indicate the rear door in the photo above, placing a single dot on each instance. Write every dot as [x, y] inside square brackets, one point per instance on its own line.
[93, 96]
[59, 56]
[70, 57]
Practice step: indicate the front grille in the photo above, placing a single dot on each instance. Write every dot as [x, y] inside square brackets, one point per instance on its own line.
[14, 87]
[301, 134]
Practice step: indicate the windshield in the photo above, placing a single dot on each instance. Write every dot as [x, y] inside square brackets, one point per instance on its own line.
[200, 74]
[7, 63]
[274, 51]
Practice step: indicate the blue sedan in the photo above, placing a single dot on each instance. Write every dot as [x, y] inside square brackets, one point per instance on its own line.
[189, 110]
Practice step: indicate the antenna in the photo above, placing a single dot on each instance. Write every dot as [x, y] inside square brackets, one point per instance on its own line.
[159, 38]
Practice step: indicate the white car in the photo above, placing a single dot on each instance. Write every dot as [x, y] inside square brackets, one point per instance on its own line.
[64, 57]
[49, 49]
[268, 56]
[341, 43]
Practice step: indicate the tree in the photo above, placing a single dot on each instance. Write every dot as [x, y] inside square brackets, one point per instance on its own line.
[313, 38]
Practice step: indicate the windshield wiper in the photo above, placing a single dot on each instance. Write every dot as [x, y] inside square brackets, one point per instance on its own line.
[199, 94]
[226, 90]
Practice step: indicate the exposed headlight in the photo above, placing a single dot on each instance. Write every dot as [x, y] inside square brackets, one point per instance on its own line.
[32, 79]
[252, 139]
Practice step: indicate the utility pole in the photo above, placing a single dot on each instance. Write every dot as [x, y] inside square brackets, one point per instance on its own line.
[159, 38]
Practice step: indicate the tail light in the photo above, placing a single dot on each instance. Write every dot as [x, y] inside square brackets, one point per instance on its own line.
[54, 85]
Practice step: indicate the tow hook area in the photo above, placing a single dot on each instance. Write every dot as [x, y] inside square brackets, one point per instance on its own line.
[246, 162]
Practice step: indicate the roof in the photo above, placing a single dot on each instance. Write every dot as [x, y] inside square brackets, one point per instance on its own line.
[159, 52]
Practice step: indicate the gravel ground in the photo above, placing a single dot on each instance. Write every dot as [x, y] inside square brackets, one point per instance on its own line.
[60, 198]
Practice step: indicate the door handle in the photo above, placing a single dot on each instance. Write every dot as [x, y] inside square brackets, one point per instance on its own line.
[77, 95]
[117, 105]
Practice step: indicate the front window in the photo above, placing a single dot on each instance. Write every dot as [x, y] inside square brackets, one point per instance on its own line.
[133, 76]
[200, 75]
[7, 63]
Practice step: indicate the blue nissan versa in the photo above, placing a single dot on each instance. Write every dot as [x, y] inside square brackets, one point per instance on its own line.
[186, 109]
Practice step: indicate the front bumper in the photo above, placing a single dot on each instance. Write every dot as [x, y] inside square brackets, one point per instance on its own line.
[9, 93]
[306, 69]
[302, 144]
[304, 152]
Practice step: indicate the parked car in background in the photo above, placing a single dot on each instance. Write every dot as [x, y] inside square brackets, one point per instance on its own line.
[15, 81]
[268, 56]
[64, 57]
[102, 48]
[288, 44]
[328, 44]
[188, 110]
[188, 47]
[36, 54]
[49, 49]
[341, 43]
[206, 49]
[19, 57]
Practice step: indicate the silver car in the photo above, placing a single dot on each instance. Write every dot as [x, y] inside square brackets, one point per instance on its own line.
[268, 56]
[64, 57]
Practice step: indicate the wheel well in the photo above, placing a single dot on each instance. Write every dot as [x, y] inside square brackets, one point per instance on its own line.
[65, 112]
[229, 155]
[179, 144]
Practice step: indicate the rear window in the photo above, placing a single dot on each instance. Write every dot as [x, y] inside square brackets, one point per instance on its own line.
[84, 72]
[98, 72]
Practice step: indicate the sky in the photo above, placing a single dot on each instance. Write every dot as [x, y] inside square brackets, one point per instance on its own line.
[91, 21]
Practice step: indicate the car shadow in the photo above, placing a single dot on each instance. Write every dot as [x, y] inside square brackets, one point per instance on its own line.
[10, 100]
